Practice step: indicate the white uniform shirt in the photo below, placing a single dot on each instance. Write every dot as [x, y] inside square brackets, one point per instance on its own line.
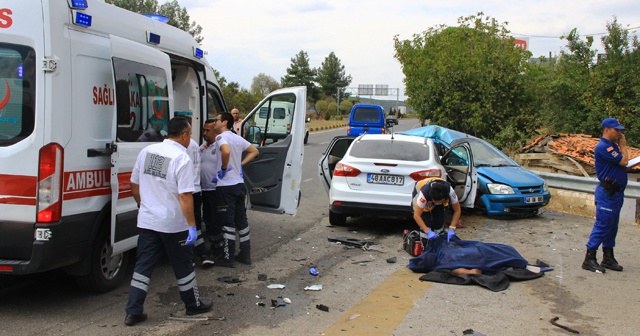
[163, 171]
[237, 145]
[208, 167]
[194, 154]
[422, 203]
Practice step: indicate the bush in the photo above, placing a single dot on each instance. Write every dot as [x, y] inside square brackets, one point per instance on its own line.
[327, 115]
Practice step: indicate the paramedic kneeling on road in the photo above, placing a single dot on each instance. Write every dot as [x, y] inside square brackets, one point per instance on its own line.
[611, 157]
[430, 197]
[162, 185]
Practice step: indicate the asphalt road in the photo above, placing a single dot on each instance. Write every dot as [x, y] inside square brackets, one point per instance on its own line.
[365, 294]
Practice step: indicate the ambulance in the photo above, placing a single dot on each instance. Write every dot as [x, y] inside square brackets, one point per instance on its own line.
[84, 86]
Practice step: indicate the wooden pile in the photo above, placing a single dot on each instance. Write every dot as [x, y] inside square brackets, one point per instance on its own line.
[570, 154]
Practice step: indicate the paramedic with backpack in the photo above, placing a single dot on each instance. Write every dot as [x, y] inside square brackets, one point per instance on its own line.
[430, 197]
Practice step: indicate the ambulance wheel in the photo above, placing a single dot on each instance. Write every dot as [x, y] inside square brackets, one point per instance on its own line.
[107, 271]
[337, 219]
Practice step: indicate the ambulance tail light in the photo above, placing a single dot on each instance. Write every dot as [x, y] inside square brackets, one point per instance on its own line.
[50, 183]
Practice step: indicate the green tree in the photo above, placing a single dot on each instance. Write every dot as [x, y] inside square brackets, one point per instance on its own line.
[470, 78]
[584, 91]
[178, 16]
[331, 75]
[262, 85]
[300, 74]
[321, 107]
[345, 106]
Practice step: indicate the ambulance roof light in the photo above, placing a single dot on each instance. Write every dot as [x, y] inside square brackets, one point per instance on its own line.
[78, 4]
[81, 19]
[157, 17]
[197, 52]
[153, 38]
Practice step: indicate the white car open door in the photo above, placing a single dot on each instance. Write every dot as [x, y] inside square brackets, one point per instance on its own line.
[144, 101]
[335, 152]
[461, 173]
[277, 128]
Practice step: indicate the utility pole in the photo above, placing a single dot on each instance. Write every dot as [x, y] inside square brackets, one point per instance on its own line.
[337, 100]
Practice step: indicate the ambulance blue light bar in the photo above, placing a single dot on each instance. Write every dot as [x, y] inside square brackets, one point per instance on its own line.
[78, 4]
[81, 19]
[197, 52]
[157, 17]
[153, 38]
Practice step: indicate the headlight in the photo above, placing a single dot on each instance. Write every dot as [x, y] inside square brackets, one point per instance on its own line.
[545, 187]
[500, 189]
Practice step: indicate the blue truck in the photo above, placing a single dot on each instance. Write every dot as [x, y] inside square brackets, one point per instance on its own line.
[366, 118]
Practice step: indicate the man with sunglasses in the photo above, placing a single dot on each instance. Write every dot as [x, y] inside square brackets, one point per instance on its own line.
[611, 156]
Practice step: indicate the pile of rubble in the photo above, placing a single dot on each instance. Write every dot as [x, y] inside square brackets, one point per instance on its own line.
[563, 153]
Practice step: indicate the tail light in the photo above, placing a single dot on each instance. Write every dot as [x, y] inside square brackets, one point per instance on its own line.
[50, 183]
[348, 129]
[345, 170]
[423, 174]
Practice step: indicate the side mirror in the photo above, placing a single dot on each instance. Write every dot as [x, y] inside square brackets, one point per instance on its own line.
[254, 134]
[308, 119]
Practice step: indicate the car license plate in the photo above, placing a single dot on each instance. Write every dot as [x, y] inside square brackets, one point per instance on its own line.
[534, 199]
[385, 179]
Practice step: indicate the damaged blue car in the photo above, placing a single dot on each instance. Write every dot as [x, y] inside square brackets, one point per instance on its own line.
[499, 186]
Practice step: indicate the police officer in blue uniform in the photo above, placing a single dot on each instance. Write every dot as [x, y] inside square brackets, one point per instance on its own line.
[611, 156]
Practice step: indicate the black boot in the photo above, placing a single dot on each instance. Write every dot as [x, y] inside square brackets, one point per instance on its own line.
[244, 256]
[590, 263]
[608, 261]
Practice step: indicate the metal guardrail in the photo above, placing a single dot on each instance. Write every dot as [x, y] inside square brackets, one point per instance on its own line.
[584, 184]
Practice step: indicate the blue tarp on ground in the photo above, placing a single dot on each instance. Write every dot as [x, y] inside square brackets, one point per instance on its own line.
[488, 257]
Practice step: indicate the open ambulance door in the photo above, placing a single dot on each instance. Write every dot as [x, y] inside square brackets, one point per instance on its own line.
[144, 99]
[277, 128]
[461, 173]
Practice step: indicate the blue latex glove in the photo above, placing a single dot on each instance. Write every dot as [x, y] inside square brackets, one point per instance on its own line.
[214, 179]
[450, 234]
[222, 173]
[431, 234]
[193, 235]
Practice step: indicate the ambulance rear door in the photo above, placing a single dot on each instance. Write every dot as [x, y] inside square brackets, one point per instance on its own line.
[273, 178]
[144, 99]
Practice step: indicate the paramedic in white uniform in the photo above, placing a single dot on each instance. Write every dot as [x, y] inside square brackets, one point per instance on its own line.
[162, 185]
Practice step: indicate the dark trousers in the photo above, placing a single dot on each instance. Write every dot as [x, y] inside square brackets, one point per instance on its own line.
[200, 246]
[434, 219]
[605, 229]
[232, 216]
[151, 246]
[214, 232]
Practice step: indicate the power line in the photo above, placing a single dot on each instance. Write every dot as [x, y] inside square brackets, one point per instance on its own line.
[557, 37]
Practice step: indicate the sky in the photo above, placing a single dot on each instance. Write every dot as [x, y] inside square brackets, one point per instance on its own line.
[245, 38]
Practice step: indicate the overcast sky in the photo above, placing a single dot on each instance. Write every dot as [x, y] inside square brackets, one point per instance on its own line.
[244, 38]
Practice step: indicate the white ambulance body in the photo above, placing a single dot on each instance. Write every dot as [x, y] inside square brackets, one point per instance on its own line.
[84, 86]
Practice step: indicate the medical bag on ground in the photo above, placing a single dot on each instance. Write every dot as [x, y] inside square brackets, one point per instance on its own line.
[413, 243]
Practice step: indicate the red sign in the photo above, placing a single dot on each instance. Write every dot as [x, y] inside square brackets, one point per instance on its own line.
[521, 43]
[5, 18]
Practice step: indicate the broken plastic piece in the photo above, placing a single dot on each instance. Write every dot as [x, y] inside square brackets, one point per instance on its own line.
[275, 286]
[261, 304]
[353, 317]
[392, 260]
[351, 241]
[262, 277]
[313, 271]
[314, 287]
[286, 300]
[555, 323]
[322, 307]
